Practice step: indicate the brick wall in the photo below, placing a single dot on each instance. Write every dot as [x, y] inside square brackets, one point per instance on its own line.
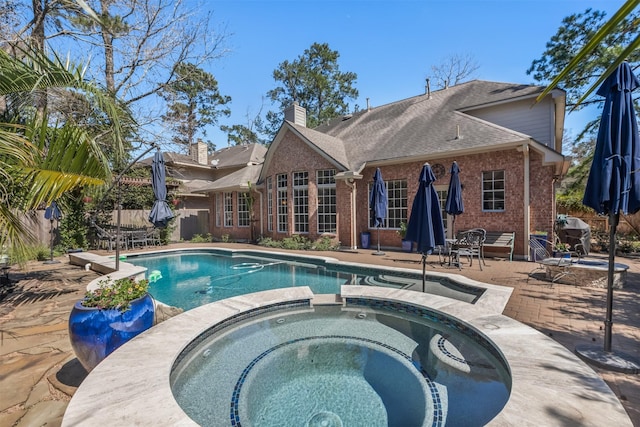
[293, 155]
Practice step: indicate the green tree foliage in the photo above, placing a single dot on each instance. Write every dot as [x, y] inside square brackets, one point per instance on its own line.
[575, 32]
[194, 102]
[240, 135]
[314, 80]
[41, 159]
[574, 39]
[73, 225]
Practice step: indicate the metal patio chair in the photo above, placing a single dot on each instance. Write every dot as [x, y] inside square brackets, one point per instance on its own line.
[544, 259]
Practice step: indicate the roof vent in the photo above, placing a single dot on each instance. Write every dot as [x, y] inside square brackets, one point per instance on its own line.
[458, 136]
[346, 117]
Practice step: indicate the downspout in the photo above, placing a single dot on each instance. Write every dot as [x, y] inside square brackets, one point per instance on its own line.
[261, 214]
[526, 198]
[354, 234]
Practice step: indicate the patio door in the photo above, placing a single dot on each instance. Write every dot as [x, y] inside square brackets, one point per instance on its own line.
[442, 191]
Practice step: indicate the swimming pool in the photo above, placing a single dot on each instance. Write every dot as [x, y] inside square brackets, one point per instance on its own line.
[190, 278]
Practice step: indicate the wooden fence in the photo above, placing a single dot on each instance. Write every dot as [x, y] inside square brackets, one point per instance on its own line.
[188, 222]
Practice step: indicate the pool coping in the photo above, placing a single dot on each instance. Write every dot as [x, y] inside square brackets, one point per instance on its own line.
[550, 385]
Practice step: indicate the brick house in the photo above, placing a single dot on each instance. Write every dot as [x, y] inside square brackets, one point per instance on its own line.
[316, 182]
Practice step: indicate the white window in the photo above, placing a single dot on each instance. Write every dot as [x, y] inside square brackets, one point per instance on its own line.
[228, 209]
[396, 204]
[243, 210]
[218, 209]
[270, 204]
[326, 200]
[283, 211]
[301, 202]
[493, 191]
[442, 195]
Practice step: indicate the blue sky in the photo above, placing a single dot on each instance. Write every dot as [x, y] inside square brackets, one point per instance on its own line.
[390, 45]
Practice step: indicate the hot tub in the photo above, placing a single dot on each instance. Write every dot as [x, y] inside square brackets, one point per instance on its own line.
[591, 273]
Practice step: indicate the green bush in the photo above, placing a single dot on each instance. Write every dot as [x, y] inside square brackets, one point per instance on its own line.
[325, 243]
[300, 243]
[199, 238]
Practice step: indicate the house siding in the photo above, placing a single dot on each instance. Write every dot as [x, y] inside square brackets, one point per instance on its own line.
[520, 116]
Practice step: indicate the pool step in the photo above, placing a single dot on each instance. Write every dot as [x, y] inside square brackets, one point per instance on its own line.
[388, 281]
[326, 299]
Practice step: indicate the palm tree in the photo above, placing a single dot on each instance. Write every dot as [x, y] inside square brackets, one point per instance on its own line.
[41, 157]
[607, 29]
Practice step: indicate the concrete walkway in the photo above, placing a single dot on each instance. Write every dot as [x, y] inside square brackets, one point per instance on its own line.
[39, 372]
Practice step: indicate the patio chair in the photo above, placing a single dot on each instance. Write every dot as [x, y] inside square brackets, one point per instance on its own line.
[544, 260]
[153, 237]
[138, 237]
[469, 245]
[108, 238]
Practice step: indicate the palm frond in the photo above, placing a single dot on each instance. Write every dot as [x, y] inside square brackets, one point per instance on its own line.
[624, 11]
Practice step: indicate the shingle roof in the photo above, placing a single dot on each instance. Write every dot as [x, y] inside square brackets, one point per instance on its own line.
[234, 181]
[237, 155]
[423, 124]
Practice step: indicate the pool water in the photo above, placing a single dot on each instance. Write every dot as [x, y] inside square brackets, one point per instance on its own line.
[188, 279]
[331, 366]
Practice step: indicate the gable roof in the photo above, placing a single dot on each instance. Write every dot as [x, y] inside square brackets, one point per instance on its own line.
[429, 124]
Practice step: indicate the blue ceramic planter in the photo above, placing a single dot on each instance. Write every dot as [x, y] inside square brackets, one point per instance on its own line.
[96, 333]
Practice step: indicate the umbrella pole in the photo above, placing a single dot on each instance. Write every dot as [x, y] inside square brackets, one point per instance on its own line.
[118, 229]
[51, 232]
[424, 270]
[378, 251]
[608, 322]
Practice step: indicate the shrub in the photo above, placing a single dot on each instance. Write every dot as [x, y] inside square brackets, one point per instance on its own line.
[199, 238]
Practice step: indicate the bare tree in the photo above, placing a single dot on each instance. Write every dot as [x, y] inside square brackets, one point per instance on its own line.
[454, 69]
[134, 45]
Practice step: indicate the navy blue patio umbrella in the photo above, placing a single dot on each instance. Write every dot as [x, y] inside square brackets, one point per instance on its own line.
[160, 214]
[52, 213]
[454, 205]
[378, 202]
[613, 185]
[425, 226]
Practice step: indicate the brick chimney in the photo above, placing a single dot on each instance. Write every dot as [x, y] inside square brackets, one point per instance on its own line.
[199, 152]
[296, 114]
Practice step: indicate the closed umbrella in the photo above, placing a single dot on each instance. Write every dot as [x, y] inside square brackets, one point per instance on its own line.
[52, 213]
[425, 223]
[160, 214]
[454, 205]
[378, 204]
[613, 186]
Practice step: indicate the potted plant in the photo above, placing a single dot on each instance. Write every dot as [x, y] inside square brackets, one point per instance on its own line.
[407, 245]
[109, 316]
[561, 250]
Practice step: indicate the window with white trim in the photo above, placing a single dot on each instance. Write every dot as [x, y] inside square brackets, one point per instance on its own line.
[218, 209]
[442, 196]
[243, 210]
[396, 204]
[326, 183]
[301, 202]
[228, 209]
[493, 191]
[283, 211]
[270, 204]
